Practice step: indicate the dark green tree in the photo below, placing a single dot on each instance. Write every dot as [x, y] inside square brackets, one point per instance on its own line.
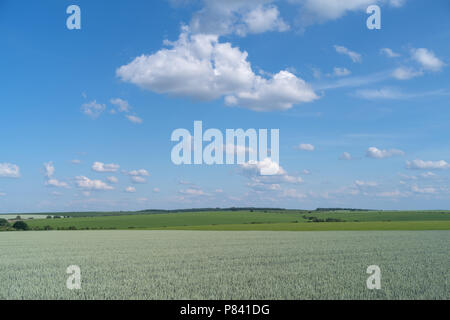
[20, 225]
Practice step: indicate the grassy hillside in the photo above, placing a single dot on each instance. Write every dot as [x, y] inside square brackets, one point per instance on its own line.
[144, 221]
[258, 220]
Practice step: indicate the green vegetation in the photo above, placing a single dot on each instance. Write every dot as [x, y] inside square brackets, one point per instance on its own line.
[146, 221]
[20, 225]
[3, 222]
[331, 226]
[292, 220]
[224, 265]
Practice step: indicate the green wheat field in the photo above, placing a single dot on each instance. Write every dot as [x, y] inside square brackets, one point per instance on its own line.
[235, 254]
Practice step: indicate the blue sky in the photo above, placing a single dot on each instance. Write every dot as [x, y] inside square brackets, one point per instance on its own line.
[87, 114]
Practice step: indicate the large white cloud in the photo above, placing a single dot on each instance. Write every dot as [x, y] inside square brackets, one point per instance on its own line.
[9, 170]
[198, 66]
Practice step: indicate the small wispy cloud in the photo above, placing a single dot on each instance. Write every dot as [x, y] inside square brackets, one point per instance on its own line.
[134, 119]
[427, 59]
[395, 94]
[93, 109]
[354, 56]
[389, 53]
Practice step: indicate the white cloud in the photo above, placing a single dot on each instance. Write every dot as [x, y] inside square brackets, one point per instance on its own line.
[140, 172]
[306, 147]
[319, 11]
[426, 190]
[428, 174]
[259, 186]
[294, 194]
[280, 92]
[76, 161]
[421, 164]
[192, 192]
[137, 176]
[121, 105]
[130, 189]
[341, 72]
[156, 190]
[360, 183]
[2, 194]
[49, 169]
[134, 119]
[238, 16]
[200, 67]
[427, 59]
[390, 93]
[389, 53]
[56, 183]
[138, 179]
[403, 73]
[86, 183]
[262, 19]
[407, 177]
[9, 170]
[392, 194]
[384, 93]
[345, 156]
[254, 170]
[112, 179]
[101, 167]
[376, 153]
[93, 109]
[354, 56]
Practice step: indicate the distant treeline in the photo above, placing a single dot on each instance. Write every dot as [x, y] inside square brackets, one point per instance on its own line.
[161, 211]
[212, 209]
[343, 209]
